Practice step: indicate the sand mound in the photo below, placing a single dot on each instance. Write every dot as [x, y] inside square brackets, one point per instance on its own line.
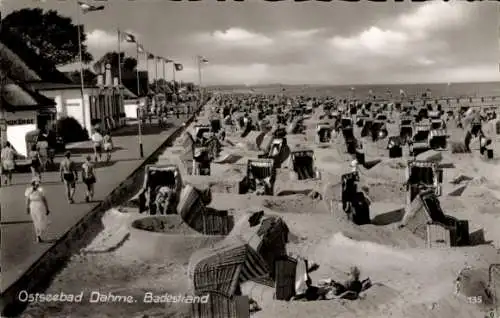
[458, 147]
[474, 283]
[295, 204]
[431, 156]
[385, 171]
[355, 241]
[461, 179]
[171, 224]
[381, 190]
[254, 139]
[398, 163]
[230, 158]
[115, 232]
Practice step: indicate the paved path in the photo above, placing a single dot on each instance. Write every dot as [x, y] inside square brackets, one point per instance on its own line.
[18, 248]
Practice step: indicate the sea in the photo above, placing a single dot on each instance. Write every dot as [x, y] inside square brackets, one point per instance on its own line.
[435, 90]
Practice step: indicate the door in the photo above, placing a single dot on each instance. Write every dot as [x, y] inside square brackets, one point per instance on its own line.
[75, 110]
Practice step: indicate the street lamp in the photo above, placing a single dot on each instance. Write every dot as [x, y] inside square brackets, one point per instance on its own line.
[139, 123]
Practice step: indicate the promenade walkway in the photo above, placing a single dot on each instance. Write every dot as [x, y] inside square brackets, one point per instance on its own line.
[18, 247]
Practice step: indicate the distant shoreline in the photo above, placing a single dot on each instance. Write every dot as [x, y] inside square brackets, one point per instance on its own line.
[243, 86]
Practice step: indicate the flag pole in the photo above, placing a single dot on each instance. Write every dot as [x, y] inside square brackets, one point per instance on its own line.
[199, 76]
[141, 149]
[147, 66]
[164, 74]
[120, 90]
[173, 77]
[80, 57]
[156, 74]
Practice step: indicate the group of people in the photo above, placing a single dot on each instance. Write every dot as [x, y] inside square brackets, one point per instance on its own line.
[163, 111]
[36, 202]
[38, 157]
[102, 143]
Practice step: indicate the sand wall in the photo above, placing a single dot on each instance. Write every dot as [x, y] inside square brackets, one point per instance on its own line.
[153, 245]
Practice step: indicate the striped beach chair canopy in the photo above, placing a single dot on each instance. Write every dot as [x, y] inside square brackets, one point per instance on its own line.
[260, 168]
[268, 238]
[424, 208]
[163, 175]
[301, 152]
[406, 120]
[422, 127]
[158, 176]
[421, 171]
[225, 266]
[200, 129]
[323, 125]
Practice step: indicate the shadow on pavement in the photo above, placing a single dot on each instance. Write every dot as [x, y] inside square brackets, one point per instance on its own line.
[147, 129]
[86, 150]
[15, 222]
[78, 165]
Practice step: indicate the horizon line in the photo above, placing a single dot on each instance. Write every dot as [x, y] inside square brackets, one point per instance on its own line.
[360, 84]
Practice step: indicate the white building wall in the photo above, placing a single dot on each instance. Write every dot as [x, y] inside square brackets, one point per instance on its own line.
[18, 125]
[69, 103]
[130, 107]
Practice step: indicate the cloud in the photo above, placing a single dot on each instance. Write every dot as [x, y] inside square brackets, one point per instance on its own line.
[374, 40]
[425, 61]
[235, 37]
[410, 39]
[434, 16]
[283, 47]
[101, 40]
[301, 34]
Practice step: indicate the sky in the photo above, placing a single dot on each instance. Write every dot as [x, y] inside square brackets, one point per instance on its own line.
[336, 43]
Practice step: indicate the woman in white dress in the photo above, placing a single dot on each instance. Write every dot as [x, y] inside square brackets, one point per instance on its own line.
[37, 208]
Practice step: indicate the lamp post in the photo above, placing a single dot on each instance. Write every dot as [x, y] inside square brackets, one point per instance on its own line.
[100, 95]
[3, 124]
[139, 123]
[139, 112]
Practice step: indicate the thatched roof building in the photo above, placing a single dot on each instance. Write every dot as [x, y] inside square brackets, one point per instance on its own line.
[17, 96]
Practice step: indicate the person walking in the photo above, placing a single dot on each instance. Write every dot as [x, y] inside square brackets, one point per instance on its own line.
[107, 144]
[37, 207]
[68, 176]
[97, 144]
[36, 162]
[7, 157]
[89, 178]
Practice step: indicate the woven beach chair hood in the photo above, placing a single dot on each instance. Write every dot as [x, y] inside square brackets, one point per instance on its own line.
[225, 266]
